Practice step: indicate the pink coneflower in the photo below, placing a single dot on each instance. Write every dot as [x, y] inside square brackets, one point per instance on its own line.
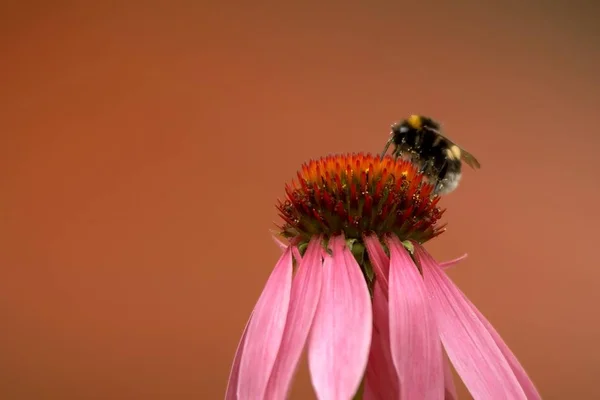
[375, 309]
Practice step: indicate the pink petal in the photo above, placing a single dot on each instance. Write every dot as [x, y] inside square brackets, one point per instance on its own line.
[306, 290]
[341, 332]
[284, 247]
[449, 387]
[265, 331]
[369, 393]
[415, 344]
[232, 384]
[470, 347]
[296, 253]
[452, 263]
[381, 379]
[379, 260]
[526, 383]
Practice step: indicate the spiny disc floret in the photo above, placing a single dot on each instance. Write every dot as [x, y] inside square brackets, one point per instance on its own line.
[357, 194]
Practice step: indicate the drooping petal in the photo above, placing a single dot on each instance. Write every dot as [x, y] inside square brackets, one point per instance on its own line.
[265, 331]
[379, 260]
[449, 387]
[369, 393]
[306, 290]
[472, 350]
[284, 247]
[415, 344]
[526, 383]
[296, 253]
[232, 383]
[341, 334]
[452, 263]
[381, 378]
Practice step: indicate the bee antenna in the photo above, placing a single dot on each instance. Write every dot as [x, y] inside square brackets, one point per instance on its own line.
[387, 145]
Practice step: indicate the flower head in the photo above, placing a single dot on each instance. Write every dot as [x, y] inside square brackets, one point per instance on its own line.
[360, 194]
[356, 286]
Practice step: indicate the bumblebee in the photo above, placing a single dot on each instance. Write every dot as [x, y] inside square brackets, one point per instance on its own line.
[420, 140]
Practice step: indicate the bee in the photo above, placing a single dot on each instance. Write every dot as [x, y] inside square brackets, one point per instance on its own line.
[420, 140]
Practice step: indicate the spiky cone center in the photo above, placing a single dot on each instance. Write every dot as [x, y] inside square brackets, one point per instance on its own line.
[357, 195]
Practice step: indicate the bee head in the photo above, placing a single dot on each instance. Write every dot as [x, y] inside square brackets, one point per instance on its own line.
[397, 133]
[399, 130]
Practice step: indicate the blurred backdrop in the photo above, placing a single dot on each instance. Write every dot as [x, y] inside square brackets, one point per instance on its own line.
[143, 146]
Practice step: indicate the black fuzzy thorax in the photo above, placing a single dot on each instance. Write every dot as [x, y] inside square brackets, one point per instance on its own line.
[426, 147]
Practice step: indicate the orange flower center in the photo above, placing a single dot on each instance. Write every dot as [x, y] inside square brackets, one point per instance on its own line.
[358, 194]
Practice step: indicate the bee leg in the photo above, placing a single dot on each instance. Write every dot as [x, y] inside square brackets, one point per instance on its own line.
[424, 165]
[441, 179]
[387, 145]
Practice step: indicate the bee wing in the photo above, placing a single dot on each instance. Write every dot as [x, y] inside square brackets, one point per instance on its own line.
[469, 159]
[465, 156]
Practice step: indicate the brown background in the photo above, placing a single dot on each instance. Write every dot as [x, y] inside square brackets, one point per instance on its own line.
[142, 148]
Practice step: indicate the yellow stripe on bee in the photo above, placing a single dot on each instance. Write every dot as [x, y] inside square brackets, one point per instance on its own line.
[415, 121]
[453, 152]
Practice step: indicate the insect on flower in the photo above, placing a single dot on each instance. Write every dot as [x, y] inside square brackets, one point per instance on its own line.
[356, 287]
[420, 139]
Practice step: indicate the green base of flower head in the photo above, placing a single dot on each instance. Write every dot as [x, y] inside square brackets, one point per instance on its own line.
[358, 250]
